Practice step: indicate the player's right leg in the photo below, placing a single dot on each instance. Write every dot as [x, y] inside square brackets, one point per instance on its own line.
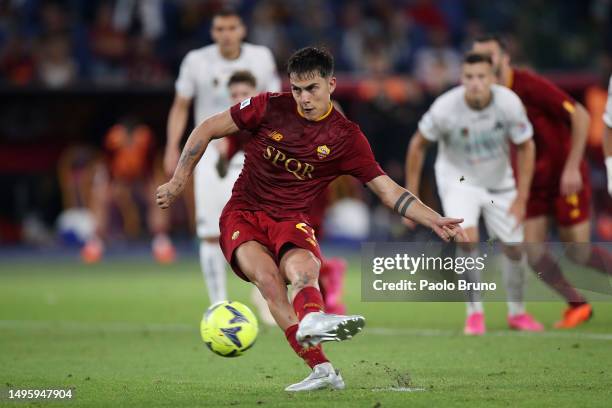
[474, 322]
[256, 263]
[465, 200]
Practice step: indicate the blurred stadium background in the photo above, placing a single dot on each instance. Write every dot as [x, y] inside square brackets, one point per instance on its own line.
[70, 70]
[124, 332]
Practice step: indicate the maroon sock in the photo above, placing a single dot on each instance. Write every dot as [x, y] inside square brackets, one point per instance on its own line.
[311, 355]
[548, 271]
[600, 259]
[306, 301]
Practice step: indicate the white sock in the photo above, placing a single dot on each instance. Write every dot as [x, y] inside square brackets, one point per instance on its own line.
[474, 305]
[514, 279]
[212, 263]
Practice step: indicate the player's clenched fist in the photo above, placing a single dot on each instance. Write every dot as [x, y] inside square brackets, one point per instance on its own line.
[167, 193]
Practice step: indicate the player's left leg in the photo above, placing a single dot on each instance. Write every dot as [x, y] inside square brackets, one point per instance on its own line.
[301, 268]
[504, 227]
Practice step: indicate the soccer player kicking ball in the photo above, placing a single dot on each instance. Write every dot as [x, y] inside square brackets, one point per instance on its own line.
[299, 144]
[474, 124]
[560, 188]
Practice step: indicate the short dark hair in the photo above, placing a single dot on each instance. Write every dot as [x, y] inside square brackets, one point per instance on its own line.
[493, 37]
[226, 11]
[475, 58]
[240, 77]
[309, 60]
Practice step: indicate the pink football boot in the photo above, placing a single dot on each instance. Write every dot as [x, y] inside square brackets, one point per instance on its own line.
[475, 324]
[524, 322]
[332, 280]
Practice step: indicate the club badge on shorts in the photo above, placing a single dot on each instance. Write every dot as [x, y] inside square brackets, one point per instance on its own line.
[235, 235]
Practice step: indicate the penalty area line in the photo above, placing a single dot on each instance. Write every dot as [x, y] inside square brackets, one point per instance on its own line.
[135, 327]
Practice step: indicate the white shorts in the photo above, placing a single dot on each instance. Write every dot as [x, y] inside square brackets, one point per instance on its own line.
[212, 192]
[462, 200]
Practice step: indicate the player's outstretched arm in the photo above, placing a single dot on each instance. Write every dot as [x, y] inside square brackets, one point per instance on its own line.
[407, 205]
[214, 127]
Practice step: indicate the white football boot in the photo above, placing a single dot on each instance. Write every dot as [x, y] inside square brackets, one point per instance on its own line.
[317, 327]
[323, 376]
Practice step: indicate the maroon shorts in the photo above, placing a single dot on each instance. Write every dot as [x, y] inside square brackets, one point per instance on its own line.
[567, 210]
[240, 226]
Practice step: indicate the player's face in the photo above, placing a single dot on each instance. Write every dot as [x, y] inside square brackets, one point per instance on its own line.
[312, 93]
[240, 91]
[228, 32]
[477, 79]
[493, 49]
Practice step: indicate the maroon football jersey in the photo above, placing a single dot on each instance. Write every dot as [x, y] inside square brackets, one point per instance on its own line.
[548, 109]
[290, 160]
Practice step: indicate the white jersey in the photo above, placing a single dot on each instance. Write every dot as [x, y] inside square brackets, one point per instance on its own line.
[473, 144]
[204, 74]
[607, 117]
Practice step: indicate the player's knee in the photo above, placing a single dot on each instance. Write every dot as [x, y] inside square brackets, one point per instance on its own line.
[269, 284]
[578, 253]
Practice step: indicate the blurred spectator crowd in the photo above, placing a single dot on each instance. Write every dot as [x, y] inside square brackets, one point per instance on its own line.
[57, 43]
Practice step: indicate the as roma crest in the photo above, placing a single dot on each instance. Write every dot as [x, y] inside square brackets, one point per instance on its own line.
[323, 151]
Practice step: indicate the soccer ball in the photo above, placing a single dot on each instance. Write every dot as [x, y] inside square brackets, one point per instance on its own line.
[229, 328]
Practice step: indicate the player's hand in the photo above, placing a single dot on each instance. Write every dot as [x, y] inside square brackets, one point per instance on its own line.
[167, 193]
[171, 158]
[571, 181]
[518, 209]
[448, 229]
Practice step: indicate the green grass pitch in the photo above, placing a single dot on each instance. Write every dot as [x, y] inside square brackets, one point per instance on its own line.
[125, 333]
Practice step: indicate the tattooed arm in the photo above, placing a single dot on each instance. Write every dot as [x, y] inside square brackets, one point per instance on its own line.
[214, 127]
[407, 205]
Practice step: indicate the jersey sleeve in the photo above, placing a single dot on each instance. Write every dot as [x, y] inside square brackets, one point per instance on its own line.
[430, 124]
[248, 114]
[607, 116]
[359, 161]
[185, 85]
[519, 126]
[552, 99]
